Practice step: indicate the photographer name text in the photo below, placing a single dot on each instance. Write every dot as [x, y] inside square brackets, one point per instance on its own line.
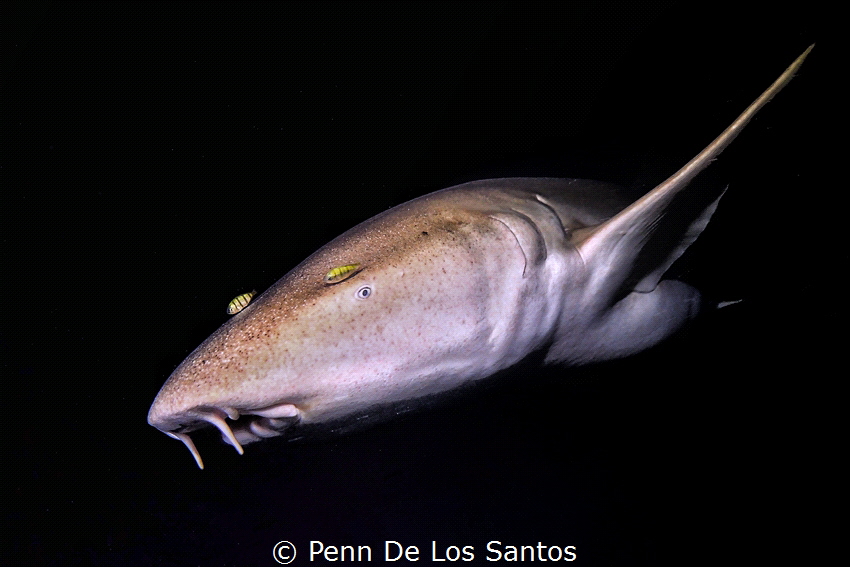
[394, 551]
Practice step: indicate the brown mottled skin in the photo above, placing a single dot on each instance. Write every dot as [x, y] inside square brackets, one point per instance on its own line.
[297, 319]
[451, 287]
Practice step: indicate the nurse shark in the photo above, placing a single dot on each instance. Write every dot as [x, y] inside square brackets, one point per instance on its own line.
[447, 289]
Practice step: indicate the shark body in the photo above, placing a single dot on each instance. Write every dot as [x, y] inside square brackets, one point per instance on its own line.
[445, 289]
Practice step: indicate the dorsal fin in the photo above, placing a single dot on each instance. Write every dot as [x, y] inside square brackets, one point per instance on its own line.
[614, 248]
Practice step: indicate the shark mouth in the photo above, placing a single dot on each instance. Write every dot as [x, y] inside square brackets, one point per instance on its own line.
[260, 424]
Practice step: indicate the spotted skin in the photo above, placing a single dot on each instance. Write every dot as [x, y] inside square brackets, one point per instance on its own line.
[450, 288]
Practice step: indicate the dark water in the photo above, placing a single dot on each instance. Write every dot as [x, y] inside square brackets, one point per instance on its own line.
[162, 160]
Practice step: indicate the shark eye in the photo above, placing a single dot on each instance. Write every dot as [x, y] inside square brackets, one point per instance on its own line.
[363, 293]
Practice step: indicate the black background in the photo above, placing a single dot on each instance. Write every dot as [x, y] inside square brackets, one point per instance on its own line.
[160, 159]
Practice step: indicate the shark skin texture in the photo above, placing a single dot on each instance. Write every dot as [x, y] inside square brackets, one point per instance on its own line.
[447, 289]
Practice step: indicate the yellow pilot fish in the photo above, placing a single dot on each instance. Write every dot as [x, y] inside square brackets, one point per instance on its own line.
[240, 302]
[341, 273]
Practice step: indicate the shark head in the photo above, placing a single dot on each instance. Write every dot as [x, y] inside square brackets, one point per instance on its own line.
[402, 306]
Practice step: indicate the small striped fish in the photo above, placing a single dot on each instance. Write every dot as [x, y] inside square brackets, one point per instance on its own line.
[341, 273]
[240, 302]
